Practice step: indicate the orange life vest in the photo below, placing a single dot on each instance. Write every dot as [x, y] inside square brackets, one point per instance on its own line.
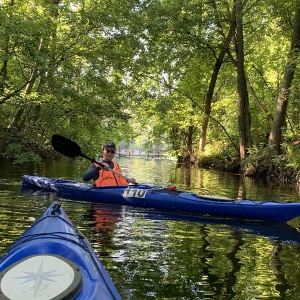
[108, 178]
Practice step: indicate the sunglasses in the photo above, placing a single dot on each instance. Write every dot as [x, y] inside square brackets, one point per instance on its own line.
[110, 151]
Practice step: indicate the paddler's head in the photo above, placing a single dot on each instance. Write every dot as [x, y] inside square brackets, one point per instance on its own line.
[108, 150]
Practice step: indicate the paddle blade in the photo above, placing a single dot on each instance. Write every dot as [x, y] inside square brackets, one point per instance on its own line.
[65, 146]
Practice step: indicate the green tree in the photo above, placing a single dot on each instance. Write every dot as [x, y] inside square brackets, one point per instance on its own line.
[64, 74]
[275, 138]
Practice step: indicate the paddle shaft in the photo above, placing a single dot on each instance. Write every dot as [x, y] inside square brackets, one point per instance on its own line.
[71, 149]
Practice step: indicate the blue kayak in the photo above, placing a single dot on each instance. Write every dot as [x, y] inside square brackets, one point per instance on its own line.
[53, 260]
[166, 199]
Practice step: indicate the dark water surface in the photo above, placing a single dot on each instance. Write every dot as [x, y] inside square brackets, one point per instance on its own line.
[151, 254]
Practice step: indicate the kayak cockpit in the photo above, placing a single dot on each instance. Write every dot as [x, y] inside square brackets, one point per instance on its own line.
[41, 276]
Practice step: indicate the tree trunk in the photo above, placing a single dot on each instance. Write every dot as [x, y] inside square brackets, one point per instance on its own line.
[283, 96]
[214, 78]
[20, 117]
[188, 156]
[244, 120]
[38, 73]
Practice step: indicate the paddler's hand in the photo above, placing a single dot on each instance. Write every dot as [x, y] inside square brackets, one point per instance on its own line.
[131, 180]
[104, 166]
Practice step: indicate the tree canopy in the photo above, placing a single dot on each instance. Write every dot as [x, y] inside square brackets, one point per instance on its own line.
[217, 82]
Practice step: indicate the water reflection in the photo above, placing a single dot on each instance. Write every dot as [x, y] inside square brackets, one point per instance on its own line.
[152, 254]
[214, 257]
[105, 222]
[174, 255]
[277, 266]
[275, 231]
[209, 182]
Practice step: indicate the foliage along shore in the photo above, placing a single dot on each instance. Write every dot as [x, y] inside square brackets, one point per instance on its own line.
[215, 82]
[258, 167]
[283, 168]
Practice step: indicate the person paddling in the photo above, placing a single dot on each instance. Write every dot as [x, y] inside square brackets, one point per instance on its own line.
[101, 175]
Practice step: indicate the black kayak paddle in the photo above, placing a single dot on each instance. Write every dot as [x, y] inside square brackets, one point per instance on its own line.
[71, 149]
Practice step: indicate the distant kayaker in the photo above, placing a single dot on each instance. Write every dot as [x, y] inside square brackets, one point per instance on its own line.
[102, 175]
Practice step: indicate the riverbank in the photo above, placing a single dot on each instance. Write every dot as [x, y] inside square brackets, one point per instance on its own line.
[279, 170]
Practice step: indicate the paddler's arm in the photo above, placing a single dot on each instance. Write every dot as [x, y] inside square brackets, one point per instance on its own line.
[93, 171]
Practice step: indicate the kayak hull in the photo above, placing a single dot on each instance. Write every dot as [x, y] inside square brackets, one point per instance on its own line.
[53, 260]
[172, 200]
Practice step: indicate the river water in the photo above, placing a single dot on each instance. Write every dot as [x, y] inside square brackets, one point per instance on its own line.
[152, 254]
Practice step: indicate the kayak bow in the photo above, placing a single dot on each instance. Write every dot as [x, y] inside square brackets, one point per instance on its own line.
[53, 260]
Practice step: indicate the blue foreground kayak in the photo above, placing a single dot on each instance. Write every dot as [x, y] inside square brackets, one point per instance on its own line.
[166, 199]
[53, 260]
